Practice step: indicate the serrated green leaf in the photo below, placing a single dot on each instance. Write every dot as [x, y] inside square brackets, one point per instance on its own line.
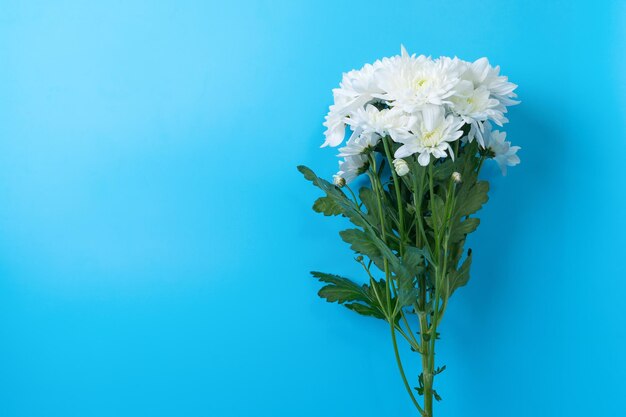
[339, 289]
[358, 298]
[365, 310]
[370, 203]
[471, 198]
[437, 210]
[378, 289]
[414, 257]
[461, 276]
[308, 174]
[437, 396]
[327, 206]
[443, 172]
[462, 229]
[362, 243]
[412, 265]
[348, 207]
[352, 211]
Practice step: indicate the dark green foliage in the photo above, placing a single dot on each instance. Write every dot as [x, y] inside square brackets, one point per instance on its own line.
[362, 299]
[327, 206]
[459, 277]
[368, 198]
[445, 217]
[360, 242]
[413, 229]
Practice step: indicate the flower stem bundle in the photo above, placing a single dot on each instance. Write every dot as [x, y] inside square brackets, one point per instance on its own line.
[420, 134]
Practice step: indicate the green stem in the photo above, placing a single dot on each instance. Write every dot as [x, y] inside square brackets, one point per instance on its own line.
[423, 320]
[377, 186]
[402, 374]
[396, 186]
[426, 372]
[356, 201]
[418, 195]
[440, 273]
[429, 363]
[480, 163]
[375, 181]
[432, 211]
[483, 155]
[449, 208]
[410, 341]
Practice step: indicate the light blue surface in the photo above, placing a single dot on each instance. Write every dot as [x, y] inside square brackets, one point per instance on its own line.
[155, 237]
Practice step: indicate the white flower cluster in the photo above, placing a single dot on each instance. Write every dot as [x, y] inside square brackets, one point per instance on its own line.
[422, 104]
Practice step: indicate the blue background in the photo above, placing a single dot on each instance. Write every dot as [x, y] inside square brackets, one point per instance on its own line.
[156, 239]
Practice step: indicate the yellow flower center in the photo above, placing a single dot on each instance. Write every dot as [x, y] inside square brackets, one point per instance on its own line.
[431, 138]
[419, 83]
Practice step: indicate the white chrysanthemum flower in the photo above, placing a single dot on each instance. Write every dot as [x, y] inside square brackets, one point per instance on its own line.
[481, 95]
[410, 82]
[401, 167]
[360, 143]
[372, 121]
[456, 177]
[351, 167]
[431, 133]
[358, 84]
[481, 73]
[356, 89]
[473, 103]
[504, 154]
[476, 104]
[335, 129]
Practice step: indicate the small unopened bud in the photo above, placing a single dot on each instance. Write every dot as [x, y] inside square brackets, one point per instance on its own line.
[456, 177]
[339, 181]
[359, 258]
[402, 168]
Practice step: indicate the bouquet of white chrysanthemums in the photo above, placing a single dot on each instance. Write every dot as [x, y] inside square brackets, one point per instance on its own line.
[421, 130]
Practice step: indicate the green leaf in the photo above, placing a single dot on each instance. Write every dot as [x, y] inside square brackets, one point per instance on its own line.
[365, 310]
[351, 210]
[341, 290]
[362, 243]
[437, 210]
[414, 257]
[348, 207]
[471, 198]
[468, 162]
[308, 174]
[327, 206]
[420, 381]
[378, 289]
[462, 229]
[407, 293]
[361, 240]
[437, 396]
[443, 172]
[461, 276]
[355, 297]
[416, 173]
[369, 200]
[412, 265]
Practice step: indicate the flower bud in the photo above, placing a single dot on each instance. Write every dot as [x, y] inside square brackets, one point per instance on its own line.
[402, 168]
[339, 181]
[456, 177]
